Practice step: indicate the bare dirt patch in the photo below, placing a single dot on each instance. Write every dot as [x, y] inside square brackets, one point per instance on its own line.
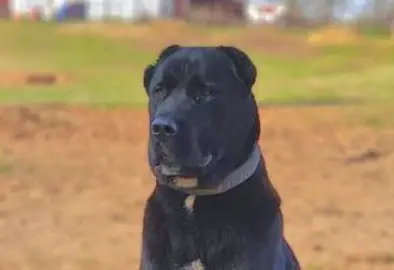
[73, 182]
[335, 35]
[9, 79]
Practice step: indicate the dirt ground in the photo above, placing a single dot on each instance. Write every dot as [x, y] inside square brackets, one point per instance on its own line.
[73, 182]
[28, 78]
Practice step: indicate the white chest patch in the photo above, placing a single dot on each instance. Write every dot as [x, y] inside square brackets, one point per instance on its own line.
[189, 203]
[194, 265]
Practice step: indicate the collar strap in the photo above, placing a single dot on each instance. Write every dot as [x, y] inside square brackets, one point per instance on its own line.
[234, 179]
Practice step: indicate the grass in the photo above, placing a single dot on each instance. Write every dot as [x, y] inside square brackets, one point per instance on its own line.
[5, 168]
[107, 71]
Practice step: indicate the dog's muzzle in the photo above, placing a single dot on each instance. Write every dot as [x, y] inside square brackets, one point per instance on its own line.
[189, 185]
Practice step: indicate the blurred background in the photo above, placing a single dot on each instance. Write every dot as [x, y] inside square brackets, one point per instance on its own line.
[73, 123]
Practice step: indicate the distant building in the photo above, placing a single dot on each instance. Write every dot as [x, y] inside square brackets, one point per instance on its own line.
[219, 11]
[193, 10]
[99, 9]
[4, 9]
[265, 13]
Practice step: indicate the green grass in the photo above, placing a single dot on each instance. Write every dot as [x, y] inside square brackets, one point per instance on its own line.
[108, 71]
[5, 168]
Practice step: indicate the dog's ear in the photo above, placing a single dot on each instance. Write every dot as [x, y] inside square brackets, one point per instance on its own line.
[168, 51]
[148, 73]
[245, 68]
[149, 70]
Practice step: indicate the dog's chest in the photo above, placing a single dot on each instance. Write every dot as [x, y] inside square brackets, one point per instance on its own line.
[184, 234]
[194, 265]
[202, 231]
[188, 205]
[193, 242]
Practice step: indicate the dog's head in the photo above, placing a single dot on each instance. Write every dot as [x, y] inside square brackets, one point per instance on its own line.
[203, 117]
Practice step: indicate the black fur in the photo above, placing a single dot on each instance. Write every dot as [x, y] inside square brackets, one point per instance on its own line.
[243, 65]
[240, 229]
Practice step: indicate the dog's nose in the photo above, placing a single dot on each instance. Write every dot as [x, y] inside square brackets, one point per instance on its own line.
[164, 126]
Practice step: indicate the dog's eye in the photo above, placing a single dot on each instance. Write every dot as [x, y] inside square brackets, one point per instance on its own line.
[207, 91]
[159, 89]
[197, 98]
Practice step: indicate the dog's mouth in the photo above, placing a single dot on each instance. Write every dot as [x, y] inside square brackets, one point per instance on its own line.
[189, 179]
[176, 169]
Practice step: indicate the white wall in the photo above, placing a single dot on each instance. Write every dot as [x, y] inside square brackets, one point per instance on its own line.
[97, 9]
[22, 6]
[125, 9]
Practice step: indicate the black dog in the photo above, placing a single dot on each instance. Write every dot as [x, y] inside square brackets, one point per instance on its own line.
[213, 206]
